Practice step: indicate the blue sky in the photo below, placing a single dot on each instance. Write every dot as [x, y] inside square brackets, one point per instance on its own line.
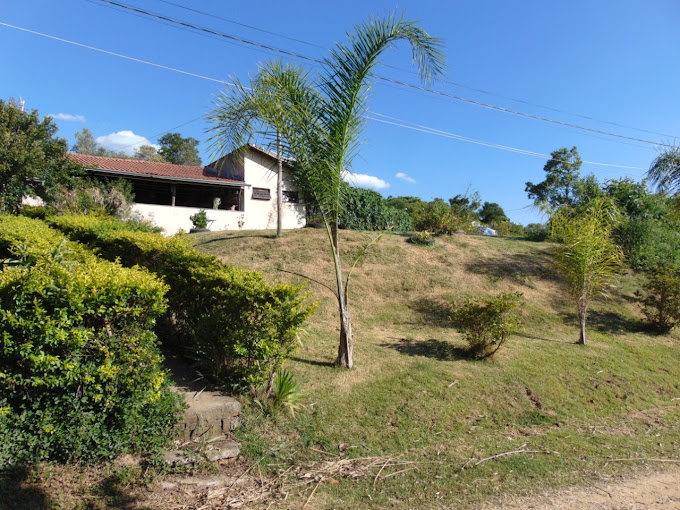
[603, 65]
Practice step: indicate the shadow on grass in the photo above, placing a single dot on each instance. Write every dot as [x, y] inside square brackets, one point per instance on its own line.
[432, 348]
[608, 322]
[518, 268]
[232, 237]
[432, 312]
[18, 491]
[116, 497]
[543, 339]
[316, 363]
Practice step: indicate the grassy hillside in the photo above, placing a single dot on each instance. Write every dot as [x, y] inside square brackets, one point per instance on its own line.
[413, 396]
[416, 408]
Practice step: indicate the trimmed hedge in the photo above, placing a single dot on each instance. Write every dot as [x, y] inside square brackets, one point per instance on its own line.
[80, 370]
[237, 327]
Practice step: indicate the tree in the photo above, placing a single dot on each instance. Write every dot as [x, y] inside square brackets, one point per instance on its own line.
[323, 124]
[32, 160]
[178, 150]
[86, 144]
[562, 176]
[664, 172]
[148, 153]
[588, 256]
[491, 212]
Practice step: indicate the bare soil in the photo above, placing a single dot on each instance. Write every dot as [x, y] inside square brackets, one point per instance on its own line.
[645, 491]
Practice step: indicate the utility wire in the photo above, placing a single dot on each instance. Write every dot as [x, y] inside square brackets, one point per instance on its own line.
[456, 84]
[393, 121]
[386, 119]
[116, 54]
[389, 80]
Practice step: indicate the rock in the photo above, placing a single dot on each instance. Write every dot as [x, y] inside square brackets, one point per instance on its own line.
[220, 450]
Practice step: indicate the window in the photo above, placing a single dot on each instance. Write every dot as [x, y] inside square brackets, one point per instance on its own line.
[261, 194]
[291, 197]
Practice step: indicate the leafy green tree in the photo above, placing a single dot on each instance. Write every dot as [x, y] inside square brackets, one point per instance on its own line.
[465, 206]
[588, 256]
[32, 160]
[178, 150]
[148, 153]
[664, 171]
[408, 204]
[562, 176]
[491, 212]
[86, 144]
[323, 124]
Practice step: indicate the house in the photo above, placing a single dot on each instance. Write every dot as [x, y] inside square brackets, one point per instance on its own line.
[237, 191]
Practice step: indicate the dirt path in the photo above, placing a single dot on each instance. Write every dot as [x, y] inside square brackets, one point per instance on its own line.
[654, 491]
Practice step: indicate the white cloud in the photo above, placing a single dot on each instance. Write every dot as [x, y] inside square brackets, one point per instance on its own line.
[405, 177]
[366, 181]
[67, 116]
[125, 141]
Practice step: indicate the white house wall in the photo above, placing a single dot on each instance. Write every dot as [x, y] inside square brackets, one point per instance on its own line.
[260, 172]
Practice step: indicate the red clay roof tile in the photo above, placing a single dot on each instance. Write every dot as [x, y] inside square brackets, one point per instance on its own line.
[134, 166]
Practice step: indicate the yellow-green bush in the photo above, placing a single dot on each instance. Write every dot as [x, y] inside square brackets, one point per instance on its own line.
[80, 373]
[236, 326]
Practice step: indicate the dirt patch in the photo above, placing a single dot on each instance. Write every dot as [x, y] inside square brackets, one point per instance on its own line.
[649, 491]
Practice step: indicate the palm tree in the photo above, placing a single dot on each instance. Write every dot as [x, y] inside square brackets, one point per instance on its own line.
[664, 172]
[321, 121]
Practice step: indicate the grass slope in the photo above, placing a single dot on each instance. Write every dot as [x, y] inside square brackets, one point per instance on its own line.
[413, 398]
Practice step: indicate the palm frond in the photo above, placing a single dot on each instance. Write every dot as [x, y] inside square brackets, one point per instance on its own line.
[664, 172]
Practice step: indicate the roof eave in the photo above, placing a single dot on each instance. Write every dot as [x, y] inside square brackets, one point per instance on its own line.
[168, 178]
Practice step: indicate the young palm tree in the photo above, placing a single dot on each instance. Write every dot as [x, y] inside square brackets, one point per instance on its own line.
[321, 121]
[664, 172]
[588, 256]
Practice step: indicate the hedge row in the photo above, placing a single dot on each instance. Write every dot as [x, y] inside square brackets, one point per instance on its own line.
[80, 370]
[237, 327]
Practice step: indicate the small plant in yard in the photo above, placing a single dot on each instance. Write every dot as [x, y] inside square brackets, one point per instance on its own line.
[286, 392]
[200, 219]
[488, 321]
[423, 238]
[660, 299]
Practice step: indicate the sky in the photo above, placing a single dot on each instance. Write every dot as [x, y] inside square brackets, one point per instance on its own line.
[524, 78]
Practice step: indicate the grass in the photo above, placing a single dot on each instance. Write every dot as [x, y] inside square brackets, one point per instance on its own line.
[423, 419]
[413, 396]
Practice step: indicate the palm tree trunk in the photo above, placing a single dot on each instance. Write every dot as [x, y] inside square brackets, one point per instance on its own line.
[279, 186]
[582, 315]
[346, 347]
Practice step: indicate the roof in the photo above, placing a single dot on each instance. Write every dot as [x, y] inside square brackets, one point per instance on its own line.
[153, 170]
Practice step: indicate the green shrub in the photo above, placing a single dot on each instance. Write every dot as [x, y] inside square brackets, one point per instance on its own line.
[365, 209]
[437, 217]
[536, 232]
[423, 238]
[485, 323]
[660, 299]
[80, 371]
[200, 219]
[237, 327]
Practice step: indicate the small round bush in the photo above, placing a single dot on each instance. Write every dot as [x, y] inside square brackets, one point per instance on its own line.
[487, 322]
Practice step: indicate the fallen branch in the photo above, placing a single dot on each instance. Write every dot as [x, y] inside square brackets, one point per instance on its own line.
[514, 452]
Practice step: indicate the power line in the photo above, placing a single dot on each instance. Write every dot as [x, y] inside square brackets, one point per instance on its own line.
[393, 121]
[390, 80]
[456, 84]
[386, 119]
[116, 54]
